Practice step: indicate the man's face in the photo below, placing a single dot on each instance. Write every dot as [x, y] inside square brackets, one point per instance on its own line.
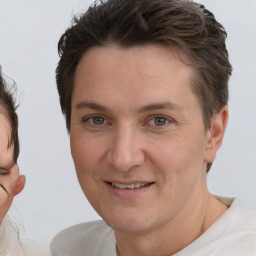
[137, 135]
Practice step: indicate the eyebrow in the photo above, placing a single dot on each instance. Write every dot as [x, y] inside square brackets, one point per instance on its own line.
[91, 105]
[146, 108]
[156, 106]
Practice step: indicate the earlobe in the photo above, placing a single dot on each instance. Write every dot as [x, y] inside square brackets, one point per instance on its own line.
[19, 185]
[216, 134]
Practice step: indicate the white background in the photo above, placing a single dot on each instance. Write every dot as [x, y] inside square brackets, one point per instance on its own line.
[52, 199]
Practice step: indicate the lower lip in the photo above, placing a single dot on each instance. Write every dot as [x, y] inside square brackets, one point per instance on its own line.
[128, 193]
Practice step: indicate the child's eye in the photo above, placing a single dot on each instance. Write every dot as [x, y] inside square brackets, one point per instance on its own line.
[3, 171]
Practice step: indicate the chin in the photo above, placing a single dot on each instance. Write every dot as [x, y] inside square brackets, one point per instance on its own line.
[127, 226]
[129, 222]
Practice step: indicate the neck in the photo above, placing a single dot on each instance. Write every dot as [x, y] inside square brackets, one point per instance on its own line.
[196, 217]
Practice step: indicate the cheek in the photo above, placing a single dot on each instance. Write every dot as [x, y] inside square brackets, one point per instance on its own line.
[87, 153]
[178, 158]
[174, 151]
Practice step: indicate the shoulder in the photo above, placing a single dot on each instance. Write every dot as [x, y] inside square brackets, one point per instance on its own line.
[240, 222]
[234, 233]
[237, 230]
[91, 238]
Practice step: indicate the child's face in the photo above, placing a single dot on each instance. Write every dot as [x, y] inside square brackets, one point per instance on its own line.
[11, 183]
[6, 152]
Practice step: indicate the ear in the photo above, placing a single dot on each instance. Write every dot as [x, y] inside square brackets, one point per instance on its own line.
[19, 185]
[215, 134]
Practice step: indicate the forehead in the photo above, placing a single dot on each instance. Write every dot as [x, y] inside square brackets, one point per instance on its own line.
[141, 72]
[5, 126]
[125, 80]
[6, 150]
[138, 59]
[5, 131]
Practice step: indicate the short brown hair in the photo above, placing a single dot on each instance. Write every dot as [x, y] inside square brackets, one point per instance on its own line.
[185, 25]
[8, 108]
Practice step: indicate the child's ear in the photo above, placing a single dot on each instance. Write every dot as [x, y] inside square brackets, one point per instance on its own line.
[215, 134]
[19, 185]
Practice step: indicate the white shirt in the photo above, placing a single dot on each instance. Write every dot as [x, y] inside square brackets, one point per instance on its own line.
[11, 245]
[233, 234]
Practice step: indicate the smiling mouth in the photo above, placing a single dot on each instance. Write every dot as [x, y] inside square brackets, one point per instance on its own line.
[129, 186]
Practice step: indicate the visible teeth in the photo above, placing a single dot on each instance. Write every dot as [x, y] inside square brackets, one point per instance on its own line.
[129, 186]
[137, 185]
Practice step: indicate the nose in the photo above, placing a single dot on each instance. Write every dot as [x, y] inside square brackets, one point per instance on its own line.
[125, 151]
